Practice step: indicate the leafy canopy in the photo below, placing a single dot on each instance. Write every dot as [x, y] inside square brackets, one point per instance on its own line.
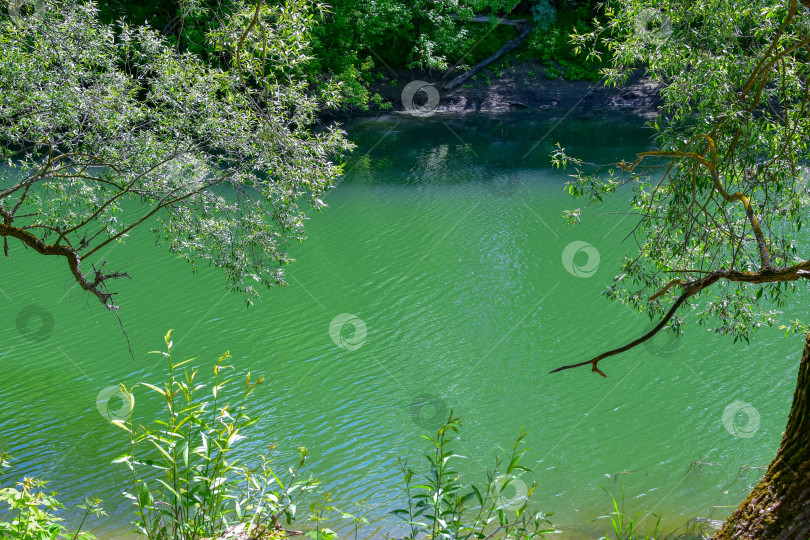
[105, 129]
[723, 199]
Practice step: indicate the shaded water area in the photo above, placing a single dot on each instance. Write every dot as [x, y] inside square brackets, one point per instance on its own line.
[446, 238]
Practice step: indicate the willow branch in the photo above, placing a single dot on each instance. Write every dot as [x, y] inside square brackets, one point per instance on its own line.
[594, 362]
[764, 255]
[668, 286]
[74, 262]
[124, 189]
[162, 204]
[691, 288]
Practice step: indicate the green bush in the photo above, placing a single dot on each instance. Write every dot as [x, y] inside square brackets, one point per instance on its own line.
[33, 512]
[186, 486]
[552, 47]
[441, 506]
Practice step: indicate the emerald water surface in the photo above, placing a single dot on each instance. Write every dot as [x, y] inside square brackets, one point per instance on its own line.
[446, 240]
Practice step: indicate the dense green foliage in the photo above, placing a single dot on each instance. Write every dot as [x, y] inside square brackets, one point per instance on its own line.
[33, 512]
[107, 129]
[723, 198]
[358, 42]
[552, 46]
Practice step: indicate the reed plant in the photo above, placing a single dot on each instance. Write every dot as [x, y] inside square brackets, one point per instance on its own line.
[33, 512]
[443, 506]
[186, 482]
[626, 527]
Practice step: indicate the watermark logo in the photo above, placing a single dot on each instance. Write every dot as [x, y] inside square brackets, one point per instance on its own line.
[581, 269]
[663, 344]
[653, 26]
[115, 403]
[351, 341]
[741, 419]
[19, 9]
[428, 411]
[192, 168]
[420, 96]
[35, 323]
[504, 185]
[508, 491]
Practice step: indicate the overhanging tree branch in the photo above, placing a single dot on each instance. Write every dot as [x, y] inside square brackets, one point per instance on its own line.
[691, 288]
[74, 262]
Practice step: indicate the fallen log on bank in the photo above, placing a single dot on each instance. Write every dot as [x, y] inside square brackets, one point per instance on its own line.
[512, 44]
[487, 19]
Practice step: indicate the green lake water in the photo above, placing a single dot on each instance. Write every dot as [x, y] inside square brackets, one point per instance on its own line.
[446, 240]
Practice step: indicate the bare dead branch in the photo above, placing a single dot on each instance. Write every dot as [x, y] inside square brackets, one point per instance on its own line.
[508, 46]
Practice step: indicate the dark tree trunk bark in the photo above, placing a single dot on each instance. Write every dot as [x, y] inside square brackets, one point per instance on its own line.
[779, 506]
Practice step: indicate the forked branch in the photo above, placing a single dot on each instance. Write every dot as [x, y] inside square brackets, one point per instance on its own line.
[74, 262]
[691, 288]
[711, 166]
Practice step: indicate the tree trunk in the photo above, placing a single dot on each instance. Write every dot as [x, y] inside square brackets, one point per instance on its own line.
[779, 506]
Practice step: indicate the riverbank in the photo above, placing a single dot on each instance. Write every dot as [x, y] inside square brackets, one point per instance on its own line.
[526, 85]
